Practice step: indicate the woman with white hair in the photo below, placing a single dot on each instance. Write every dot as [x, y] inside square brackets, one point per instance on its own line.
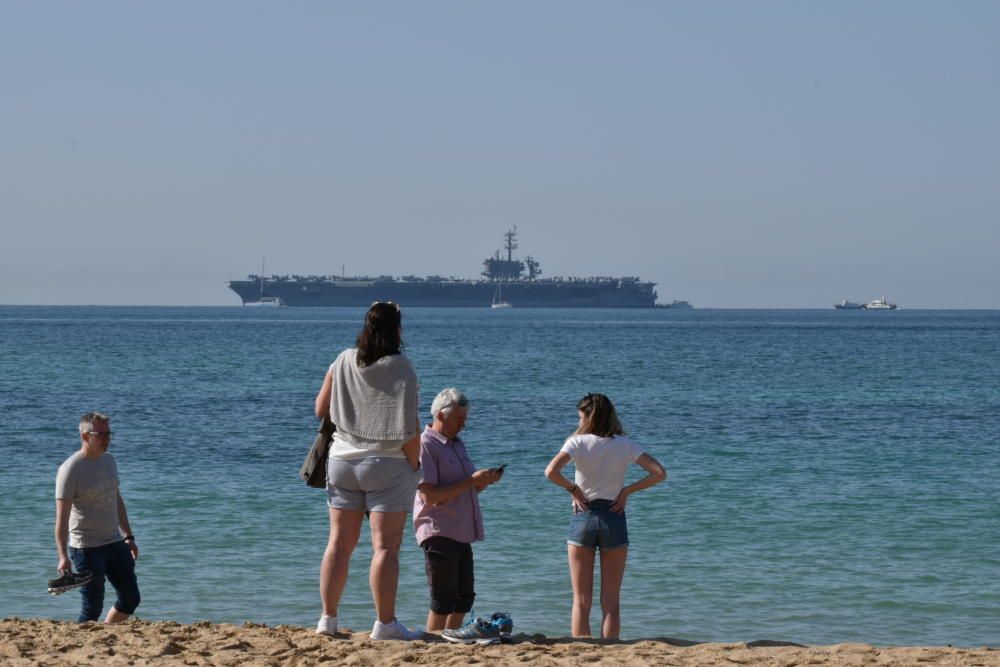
[446, 514]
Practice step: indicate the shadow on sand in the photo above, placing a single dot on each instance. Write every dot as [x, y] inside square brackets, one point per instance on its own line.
[672, 641]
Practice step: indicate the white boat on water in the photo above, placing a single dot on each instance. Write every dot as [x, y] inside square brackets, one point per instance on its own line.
[498, 301]
[262, 300]
[880, 304]
[268, 302]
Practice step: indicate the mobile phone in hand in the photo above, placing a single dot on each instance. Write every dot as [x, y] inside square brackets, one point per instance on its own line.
[500, 469]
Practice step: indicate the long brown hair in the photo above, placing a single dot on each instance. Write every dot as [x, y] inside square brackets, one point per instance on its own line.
[599, 417]
[381, 336]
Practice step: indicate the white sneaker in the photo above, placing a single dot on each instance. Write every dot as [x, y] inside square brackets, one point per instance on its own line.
[395, 630]
[327, 625]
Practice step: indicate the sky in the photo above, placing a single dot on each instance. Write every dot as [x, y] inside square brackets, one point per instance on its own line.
[738, 154]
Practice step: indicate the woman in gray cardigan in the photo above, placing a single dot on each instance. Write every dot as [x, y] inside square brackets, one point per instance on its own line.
[370, 393]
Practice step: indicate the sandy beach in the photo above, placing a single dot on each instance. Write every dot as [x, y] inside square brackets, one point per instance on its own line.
[42, 642]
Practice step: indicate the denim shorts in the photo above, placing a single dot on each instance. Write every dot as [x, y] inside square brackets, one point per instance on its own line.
[372, 484]
[598, 527]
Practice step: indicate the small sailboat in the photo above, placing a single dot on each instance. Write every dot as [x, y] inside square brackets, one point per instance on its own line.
[498, 301]
[273, 301]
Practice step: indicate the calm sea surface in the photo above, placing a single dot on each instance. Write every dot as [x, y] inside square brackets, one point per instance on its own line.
[834, 476]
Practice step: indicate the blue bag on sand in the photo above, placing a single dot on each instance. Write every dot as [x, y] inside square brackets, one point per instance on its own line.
[502, 621]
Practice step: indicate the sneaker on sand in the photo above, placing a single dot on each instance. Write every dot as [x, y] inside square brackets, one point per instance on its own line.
[494, 630]
[69, 581]
[395, 630]
[478, 631]
[327, 625]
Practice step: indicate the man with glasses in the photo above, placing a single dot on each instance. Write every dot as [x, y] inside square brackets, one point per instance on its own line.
[92, 527]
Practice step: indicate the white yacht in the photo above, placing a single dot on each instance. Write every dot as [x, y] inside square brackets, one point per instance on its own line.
[880, 304]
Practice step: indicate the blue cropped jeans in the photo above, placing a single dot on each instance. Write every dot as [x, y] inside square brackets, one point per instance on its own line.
[113, 561]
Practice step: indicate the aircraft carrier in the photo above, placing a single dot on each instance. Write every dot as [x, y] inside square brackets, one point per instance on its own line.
[518, 283]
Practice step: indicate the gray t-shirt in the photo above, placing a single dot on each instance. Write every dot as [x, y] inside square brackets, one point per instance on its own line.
[92, 485]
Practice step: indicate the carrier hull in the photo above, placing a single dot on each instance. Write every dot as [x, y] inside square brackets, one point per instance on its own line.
[568, 294]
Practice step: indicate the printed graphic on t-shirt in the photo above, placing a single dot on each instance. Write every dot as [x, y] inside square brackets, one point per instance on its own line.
[104, 492]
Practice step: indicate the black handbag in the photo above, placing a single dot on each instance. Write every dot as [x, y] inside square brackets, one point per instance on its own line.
[313, 471]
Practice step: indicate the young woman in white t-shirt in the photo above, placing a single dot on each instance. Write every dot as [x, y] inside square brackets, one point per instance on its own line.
[601, 453]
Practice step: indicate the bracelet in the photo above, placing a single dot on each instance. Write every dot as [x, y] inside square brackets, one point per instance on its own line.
[572, 488]
[128, 537]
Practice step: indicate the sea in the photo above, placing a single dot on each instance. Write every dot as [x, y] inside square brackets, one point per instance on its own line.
[834, 476]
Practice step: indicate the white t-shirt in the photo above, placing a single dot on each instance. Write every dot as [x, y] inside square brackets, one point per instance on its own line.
[601, 463]
[347, 447]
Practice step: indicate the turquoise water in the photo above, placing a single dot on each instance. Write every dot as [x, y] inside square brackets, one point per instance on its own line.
[834, 476]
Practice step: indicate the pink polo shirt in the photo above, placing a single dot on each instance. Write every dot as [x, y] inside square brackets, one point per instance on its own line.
[444, 462]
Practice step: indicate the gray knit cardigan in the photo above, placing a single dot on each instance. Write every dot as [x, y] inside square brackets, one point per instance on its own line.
[376, 402]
